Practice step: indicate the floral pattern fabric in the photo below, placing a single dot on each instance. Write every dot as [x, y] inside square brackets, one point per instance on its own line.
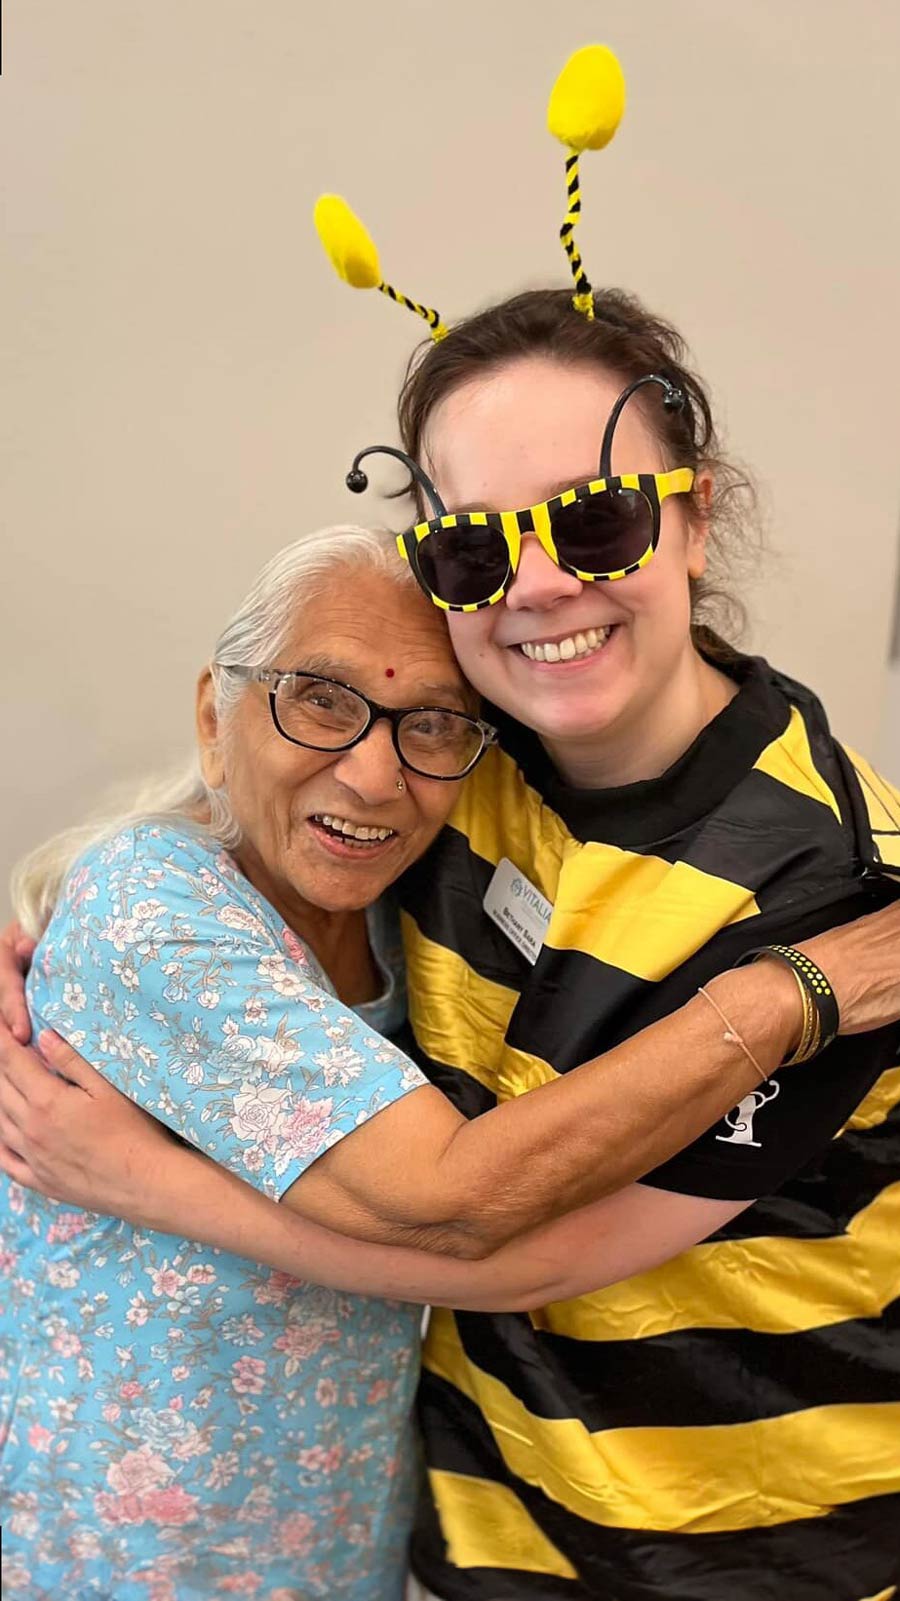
[178, 1422]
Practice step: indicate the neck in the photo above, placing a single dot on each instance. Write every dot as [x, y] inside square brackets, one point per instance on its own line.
[646, 741]
[338, 940]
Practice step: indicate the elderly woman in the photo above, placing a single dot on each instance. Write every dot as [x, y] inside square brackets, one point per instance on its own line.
[178, 1422]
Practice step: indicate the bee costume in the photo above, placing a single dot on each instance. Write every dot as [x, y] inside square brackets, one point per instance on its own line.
[725, 1427]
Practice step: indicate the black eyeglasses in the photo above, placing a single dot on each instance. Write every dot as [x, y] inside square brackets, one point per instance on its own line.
[321, 713]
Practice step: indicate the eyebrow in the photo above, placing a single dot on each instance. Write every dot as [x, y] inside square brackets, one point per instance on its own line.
[346, 675]
[557, 489]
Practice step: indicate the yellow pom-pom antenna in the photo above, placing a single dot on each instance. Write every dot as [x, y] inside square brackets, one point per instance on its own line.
[354, 256]
[585, 109]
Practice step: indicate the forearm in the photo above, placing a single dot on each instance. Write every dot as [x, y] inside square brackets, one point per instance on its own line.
[189, 1195]
[613, 1120]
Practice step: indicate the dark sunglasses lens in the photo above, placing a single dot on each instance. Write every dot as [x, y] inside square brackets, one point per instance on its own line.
[440, 743]
[463, 565]
[604, 533]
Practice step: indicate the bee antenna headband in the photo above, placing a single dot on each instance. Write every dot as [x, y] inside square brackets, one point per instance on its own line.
[585, 109]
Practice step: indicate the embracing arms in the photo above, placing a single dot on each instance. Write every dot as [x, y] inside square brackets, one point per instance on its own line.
[552, 1150]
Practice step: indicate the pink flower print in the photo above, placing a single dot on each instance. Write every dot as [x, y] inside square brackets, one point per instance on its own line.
[241, 1584]
[166, 1280]
[138, 1471]
[255, 1010]
[118, 1509]
[39, 1438]
[130, 1389]
[84, 1545]
[295, 948]
[295, 1535]
[176, 1404]
[172, 1505]
[277, 1288]
[66, 1226]
[201, 1273]
[138, 1310]
[67, 1343]
[222, 1470]
[304, 1132]
[379, 1391]
[317, 1460]
[248, 1375]
[179, 1374]
[8, 1260]
[253, 1160]
[326, 1392]
[300, 1341]
[112, 1412]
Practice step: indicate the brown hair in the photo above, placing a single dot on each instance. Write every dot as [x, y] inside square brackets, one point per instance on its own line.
[625, 339]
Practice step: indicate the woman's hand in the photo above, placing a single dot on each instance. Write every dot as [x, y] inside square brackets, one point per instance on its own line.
[16, 953]
[862, 962]
[74, 1137]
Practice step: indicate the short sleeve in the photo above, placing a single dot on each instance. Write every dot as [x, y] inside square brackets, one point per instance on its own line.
[168, 972]
[784, 1125]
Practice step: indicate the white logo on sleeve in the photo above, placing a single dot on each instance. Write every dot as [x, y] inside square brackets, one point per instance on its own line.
[740, 1118]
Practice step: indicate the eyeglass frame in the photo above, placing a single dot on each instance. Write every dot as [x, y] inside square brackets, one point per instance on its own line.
[392, 714]
[512, 525]
[537, 520]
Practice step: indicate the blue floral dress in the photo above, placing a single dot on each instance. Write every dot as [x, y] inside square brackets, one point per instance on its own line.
[178, 1422]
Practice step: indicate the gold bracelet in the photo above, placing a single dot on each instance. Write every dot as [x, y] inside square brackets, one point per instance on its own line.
[811, 1032]
[732, 1036]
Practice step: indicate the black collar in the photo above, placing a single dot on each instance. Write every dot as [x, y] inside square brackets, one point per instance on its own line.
[655, 809]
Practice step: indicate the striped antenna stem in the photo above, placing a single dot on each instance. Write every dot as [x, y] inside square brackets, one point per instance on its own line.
[583, 298]
[438, 331]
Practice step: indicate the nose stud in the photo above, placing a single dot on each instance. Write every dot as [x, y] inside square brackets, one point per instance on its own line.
[401, 783]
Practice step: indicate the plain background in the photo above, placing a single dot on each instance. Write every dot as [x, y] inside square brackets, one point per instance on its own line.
[184, 382]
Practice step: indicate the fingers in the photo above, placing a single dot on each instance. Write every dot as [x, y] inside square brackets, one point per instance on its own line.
[16, 951]
[14, 1111]
[65, 1060]
[16, 1168]
[22, 1068]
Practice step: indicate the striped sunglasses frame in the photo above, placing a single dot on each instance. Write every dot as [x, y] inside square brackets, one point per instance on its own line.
[538, 520]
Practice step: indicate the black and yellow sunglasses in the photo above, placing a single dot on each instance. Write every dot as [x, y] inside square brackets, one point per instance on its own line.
[599, 531]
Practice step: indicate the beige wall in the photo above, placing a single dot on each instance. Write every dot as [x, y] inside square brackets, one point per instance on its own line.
[183, 381]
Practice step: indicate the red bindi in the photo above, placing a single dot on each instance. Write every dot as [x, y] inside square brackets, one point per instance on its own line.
[389, 672]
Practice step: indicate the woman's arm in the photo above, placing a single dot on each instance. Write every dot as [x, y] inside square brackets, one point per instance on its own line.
[41, 1115]
[563, 1147]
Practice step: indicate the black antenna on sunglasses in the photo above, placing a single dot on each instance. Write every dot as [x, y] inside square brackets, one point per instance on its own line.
[673, 400]
[357, 481]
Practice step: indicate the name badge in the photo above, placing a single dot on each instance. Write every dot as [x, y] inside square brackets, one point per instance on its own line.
[513, 903]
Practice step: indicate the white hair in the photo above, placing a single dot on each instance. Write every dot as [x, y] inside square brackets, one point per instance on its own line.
[252, 637]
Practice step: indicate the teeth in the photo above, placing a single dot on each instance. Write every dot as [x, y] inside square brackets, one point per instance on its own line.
[565, 650]
[340, 825]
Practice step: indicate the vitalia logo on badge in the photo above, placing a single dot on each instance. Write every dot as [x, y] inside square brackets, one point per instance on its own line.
[518, 908]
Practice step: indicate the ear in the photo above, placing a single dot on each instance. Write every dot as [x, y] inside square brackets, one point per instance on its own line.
[698, 525]
[211, 764]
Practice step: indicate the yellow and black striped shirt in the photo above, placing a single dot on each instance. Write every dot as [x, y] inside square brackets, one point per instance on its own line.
[727, 1426]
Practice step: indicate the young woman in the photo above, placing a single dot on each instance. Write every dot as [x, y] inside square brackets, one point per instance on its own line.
[732, 1417]
[730, 1414]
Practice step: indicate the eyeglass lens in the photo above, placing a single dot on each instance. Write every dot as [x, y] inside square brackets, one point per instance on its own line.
[327, 716]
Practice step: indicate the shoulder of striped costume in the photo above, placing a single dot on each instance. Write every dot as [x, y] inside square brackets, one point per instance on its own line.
[882, 801]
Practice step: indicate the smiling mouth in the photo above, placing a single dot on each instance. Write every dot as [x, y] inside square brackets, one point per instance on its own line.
[573, 647]
[357, 837]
